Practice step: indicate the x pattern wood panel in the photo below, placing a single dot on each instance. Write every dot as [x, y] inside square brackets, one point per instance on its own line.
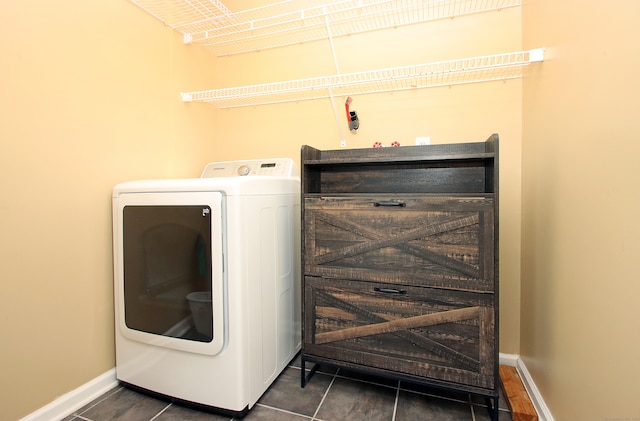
[374, 239]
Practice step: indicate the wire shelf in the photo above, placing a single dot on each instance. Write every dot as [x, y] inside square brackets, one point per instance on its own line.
[212, 24]
[445, 73]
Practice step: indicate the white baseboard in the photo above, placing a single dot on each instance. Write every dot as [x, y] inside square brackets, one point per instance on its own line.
[76, 399]
[509, 359]
[539, 404]
[544, 414]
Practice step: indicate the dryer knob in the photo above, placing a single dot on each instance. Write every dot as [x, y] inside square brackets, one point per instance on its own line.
[243, 170]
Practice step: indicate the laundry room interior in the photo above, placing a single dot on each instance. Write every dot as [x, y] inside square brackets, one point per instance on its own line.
[91, 97]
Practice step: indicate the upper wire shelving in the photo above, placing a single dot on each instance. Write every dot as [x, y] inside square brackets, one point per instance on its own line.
[212, 24]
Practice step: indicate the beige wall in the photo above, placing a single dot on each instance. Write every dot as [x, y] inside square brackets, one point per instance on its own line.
[90, 98]
[580, 314]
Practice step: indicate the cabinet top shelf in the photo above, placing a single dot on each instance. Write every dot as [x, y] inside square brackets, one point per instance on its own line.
[465, 169]
[400, 159]
[212, 24]
[474, 151]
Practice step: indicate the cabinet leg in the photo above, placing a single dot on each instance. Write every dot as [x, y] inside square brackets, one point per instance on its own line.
[304, 377]
[492, 407]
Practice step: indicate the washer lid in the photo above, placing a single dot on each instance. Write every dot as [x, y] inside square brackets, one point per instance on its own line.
[230, 186]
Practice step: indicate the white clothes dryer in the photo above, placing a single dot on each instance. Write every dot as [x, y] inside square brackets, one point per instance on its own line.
[207, 283]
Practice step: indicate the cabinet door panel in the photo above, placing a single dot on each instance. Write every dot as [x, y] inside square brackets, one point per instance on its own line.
[425, 332]
[445, 242]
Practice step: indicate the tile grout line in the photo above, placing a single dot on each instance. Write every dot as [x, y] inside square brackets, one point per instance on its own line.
[326, 392]
[161, 412]
[275, 408]
[473, 412]
[94, 403]
[395, 404]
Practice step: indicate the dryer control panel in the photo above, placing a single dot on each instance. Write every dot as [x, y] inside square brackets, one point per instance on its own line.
[281, 167]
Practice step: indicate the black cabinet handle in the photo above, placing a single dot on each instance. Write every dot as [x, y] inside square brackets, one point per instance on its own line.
[390, 290]
[390, 203]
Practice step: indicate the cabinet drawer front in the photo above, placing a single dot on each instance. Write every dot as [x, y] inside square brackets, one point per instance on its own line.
[446, 242]
[429, 333]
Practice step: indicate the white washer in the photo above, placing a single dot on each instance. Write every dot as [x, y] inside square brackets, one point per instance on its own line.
[229, 240]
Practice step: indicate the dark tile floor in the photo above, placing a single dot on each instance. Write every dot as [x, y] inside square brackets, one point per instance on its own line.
[331, 395]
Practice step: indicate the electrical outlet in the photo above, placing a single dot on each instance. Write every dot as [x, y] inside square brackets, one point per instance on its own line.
[423, 140]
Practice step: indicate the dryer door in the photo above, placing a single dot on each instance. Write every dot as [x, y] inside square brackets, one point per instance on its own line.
[169, 278]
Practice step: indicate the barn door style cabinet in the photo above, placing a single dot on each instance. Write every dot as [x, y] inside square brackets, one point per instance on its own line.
[400, 263]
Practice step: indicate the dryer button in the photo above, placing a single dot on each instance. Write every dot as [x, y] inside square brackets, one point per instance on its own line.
[243, 170]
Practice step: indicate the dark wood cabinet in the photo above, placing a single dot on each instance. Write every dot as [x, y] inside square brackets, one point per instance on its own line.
[400, 263]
